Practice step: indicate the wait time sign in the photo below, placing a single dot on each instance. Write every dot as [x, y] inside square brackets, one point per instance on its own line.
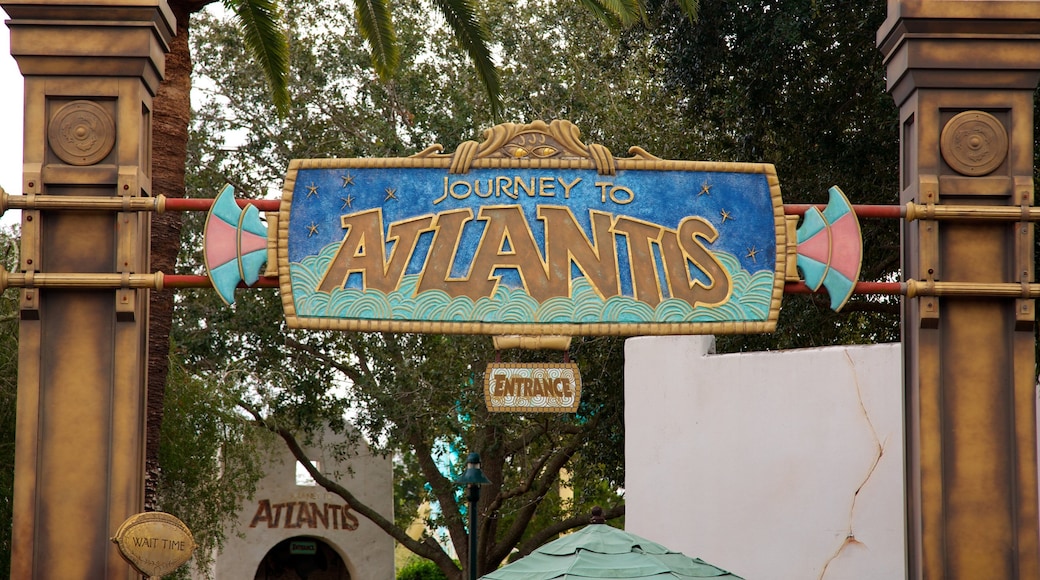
[531, 232]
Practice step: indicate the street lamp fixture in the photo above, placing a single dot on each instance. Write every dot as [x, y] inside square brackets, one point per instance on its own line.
[473, 479]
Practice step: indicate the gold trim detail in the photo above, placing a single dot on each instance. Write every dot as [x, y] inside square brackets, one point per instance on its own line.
[531, 342]
[974, 143]
[81, 133]
[492, 154]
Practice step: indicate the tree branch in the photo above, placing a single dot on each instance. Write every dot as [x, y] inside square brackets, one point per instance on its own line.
[428, 548]
[550, 474]
[444, 491]
[545, 534]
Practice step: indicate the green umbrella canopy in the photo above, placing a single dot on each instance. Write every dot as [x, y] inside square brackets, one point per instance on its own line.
[600, 551]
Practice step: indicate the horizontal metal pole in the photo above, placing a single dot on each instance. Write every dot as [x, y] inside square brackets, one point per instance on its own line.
[194, 281]
[200, 204]
[160, 281]
[159, 204]
[73, 202]
[1009, 213]
[110, 281]
[79, 280]
[864, 211]
[890, 288]
[972, 289]
[914, 288]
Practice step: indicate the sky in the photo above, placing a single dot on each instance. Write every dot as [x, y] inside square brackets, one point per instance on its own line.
[11, 92]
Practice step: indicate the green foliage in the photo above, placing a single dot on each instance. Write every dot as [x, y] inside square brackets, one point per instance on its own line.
[800, 84]
[414, 397]
[8, 394]
[211, 459]
[418, 569]
[261, 26]
[753, 86]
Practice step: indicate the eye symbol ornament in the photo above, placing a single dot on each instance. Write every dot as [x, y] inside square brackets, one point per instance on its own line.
[538, 152]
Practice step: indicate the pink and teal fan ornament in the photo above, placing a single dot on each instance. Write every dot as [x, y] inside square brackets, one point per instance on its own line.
[235, 244]
[830, 248]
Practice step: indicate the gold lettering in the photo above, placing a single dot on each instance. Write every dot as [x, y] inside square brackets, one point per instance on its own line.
[502, 186]
[508, 242]
[363, 251]
[451, 189]
[568, 186]
[520, 184]
[612, 193]
[622, 201]
[445, 196]
[508, 223]
[680, 285]
[476, 189]
[641, 236]
[566, 243]
[447, 229]
[545, 184]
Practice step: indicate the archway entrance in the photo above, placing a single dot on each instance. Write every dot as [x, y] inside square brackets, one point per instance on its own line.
[302, 558]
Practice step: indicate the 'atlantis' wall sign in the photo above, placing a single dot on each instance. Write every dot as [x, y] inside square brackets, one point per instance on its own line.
[531, 232]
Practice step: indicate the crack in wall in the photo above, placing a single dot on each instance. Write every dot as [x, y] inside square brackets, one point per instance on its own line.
[850, 536]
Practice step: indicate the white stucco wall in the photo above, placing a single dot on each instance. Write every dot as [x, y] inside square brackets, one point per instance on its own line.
[367, 551]
[776, 466]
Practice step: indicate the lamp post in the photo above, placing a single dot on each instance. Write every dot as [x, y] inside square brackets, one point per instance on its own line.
[473, 479]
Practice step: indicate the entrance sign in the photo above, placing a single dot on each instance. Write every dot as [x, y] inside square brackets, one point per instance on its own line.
[303, 547]
[531, 232]
[532, 387]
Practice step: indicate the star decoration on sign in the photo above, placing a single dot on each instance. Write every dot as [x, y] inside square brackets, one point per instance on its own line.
[391, 193]
[348, 179]
[312, 229]
[312, 189]
[725, 216]
[348, 202]
[753, 254]
[705, 189]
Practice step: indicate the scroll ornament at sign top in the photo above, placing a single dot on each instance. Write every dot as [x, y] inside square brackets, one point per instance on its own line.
[532, 232]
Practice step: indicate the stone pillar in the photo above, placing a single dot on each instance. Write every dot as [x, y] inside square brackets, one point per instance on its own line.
[963, 74]
[91, 70]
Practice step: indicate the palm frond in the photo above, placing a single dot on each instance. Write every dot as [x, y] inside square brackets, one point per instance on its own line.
[689, 8]
[265, 36]
[473, 37]
[377, 28]
[629, 12]
[597, 9]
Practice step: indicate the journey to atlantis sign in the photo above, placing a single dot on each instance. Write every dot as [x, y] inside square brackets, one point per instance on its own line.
[531, 232]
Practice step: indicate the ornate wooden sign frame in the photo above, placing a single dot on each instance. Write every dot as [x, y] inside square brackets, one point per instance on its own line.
[531, 232]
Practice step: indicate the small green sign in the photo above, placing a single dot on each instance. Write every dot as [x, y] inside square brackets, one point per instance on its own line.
[303, 548]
